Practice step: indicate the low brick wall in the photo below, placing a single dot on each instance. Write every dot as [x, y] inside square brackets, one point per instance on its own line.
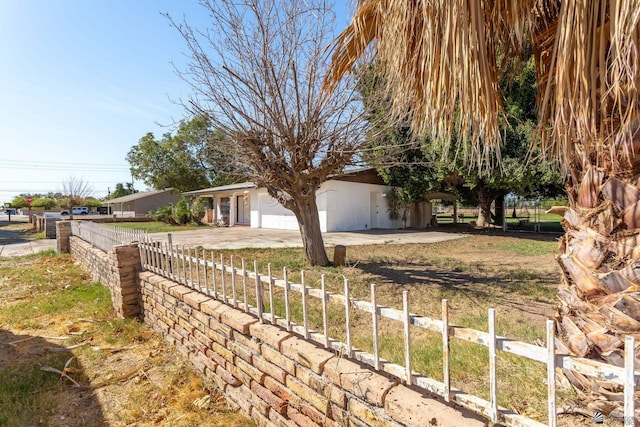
[276, 377]
[279, 378]
[117, 269]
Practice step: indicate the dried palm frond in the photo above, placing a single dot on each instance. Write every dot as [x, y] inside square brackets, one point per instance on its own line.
[588, 80]
[440, 62]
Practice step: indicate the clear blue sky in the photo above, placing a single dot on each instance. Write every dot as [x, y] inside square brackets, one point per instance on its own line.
[81, 81]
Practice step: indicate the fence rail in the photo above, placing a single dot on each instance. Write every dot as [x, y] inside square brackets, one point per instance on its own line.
[201, 270]
[106, 237]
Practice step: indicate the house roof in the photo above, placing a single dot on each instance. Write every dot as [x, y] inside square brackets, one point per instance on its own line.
[364, 175]
[353, 171]
[348, 175]
[230, 187]
[137, 196]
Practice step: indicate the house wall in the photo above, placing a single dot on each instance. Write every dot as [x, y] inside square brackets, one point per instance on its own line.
[266, 212]
[342, 206]
[144, 205]
[352, 206]
[218, 217]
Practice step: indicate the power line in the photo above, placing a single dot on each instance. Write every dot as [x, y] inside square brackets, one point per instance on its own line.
[60, 163]
[57, 182]
[62, 166]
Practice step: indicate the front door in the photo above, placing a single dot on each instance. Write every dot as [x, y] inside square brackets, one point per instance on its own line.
[375, 209]
[243, 211]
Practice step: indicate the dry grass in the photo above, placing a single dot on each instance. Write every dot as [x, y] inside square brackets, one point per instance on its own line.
[515, 274]
[125, 374]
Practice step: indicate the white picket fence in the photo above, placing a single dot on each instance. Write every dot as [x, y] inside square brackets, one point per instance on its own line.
[106, 237]
[201, 270]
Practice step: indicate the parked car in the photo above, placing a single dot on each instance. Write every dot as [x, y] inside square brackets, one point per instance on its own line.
[79, 210]
[104, 210]
[10, 211]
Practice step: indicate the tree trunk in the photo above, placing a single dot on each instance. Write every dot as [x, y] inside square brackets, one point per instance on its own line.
[455, 211]
[306, 211]
[484, 206]
[600, 262]
[499, 217]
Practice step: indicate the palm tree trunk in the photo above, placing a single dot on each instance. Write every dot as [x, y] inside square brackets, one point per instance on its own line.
[599, 256]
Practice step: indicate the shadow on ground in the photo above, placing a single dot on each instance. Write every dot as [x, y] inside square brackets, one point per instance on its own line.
[477, 287]
[15, 232]
[528, 235]
[31, 396]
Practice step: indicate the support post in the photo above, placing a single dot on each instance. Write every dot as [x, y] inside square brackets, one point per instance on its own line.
[125, 292]
[63, 237]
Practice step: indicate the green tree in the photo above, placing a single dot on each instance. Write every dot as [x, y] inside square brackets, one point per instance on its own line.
[418, 166]
[91, 202]
[44, 202]
[19, 202]
[122, 190]
[194, 157]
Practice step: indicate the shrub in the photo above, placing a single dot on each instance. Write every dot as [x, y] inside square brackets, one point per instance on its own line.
[197, 211]
[182, 212]
[163, 214]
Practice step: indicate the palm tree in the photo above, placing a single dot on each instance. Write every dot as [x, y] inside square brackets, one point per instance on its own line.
[443, 60]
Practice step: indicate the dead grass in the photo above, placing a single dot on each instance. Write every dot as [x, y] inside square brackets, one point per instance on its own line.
[515, 274]
[51, 316]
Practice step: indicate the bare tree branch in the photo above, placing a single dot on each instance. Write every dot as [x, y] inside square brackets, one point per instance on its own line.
[257, 73]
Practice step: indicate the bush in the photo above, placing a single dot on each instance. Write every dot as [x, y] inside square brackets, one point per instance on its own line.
[182, 212]
[197, 211]
[163, 214]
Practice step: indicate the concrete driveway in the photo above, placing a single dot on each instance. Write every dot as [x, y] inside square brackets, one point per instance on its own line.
[246, 237]
[13, 241]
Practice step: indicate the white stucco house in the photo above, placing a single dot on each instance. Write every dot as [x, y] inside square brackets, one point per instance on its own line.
[352, 201]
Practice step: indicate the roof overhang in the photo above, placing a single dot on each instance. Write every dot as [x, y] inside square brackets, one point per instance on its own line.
[221, 189]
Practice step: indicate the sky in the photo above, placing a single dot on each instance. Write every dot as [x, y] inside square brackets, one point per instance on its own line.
[81, 81]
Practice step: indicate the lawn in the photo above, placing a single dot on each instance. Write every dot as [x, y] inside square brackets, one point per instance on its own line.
[157, 226]
[524, 221]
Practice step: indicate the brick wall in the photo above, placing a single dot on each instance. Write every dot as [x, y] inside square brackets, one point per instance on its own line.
[117, 269]
[274, 376]
[277, 377]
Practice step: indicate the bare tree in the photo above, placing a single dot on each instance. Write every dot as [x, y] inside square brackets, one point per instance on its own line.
[74, 191]
[256, 72]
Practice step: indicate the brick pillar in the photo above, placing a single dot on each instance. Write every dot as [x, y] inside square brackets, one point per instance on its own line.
[125, 293]
[63, 233]
[50, 227]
